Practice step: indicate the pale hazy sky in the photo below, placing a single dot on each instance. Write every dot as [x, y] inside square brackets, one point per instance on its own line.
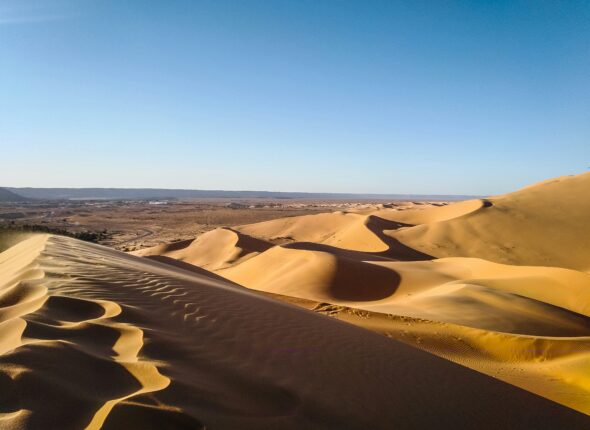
[450, 97]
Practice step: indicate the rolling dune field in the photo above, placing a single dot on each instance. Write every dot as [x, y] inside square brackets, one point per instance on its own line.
[94, 338]
[411, 316]
[500, 285]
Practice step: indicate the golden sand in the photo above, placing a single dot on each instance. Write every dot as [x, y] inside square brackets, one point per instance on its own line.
[478, 316]
[499, 285]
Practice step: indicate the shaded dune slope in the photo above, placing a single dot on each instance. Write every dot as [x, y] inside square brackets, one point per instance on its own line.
[555, 367]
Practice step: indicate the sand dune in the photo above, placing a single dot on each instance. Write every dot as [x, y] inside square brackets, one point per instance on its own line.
[505, 321]
[555, 367]
[425, 214]
[213, 250]
[510, 296]
[541, 225]
[460, 290]
[93, 338]
[344, 230]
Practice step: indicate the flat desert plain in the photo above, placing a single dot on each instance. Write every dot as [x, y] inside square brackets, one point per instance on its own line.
[469, 315]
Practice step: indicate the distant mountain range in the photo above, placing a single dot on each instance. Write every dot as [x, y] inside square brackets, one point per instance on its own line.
[158, 193]
[9, 196]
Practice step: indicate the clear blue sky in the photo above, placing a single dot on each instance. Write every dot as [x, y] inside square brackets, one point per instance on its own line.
[441, 96]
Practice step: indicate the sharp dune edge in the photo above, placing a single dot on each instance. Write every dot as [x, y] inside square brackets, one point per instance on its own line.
[499, 285]
[478, 334]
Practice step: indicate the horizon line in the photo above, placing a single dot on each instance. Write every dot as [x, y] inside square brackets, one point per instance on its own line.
[238, 191]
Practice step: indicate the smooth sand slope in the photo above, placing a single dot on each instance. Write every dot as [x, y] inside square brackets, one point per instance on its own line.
[510, 298]
[92, 337]
[542, 225]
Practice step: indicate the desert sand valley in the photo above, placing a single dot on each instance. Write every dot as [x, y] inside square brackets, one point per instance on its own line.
[474, 314]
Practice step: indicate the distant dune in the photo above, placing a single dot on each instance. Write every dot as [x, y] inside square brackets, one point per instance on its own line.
[500, 285]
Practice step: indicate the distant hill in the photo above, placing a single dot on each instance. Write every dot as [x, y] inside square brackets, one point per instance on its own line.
[157, 193]
[10, 196]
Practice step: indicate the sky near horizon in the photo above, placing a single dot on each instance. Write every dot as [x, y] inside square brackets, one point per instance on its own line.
[421, 97]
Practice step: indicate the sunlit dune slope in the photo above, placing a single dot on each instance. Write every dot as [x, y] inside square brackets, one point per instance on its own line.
[428, 213]
[212, 250]
[93, 337]
[544, 224]
[344, 230]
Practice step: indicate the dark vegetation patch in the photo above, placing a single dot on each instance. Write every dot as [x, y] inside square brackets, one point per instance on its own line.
[11, 233]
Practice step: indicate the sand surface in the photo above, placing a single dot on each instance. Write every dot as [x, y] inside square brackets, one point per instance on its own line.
[469, 315]
[95, 338]
[499, 285]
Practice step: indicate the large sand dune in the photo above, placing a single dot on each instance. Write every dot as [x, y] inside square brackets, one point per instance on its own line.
[542, 225]
[500, 285]
[93, 338]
